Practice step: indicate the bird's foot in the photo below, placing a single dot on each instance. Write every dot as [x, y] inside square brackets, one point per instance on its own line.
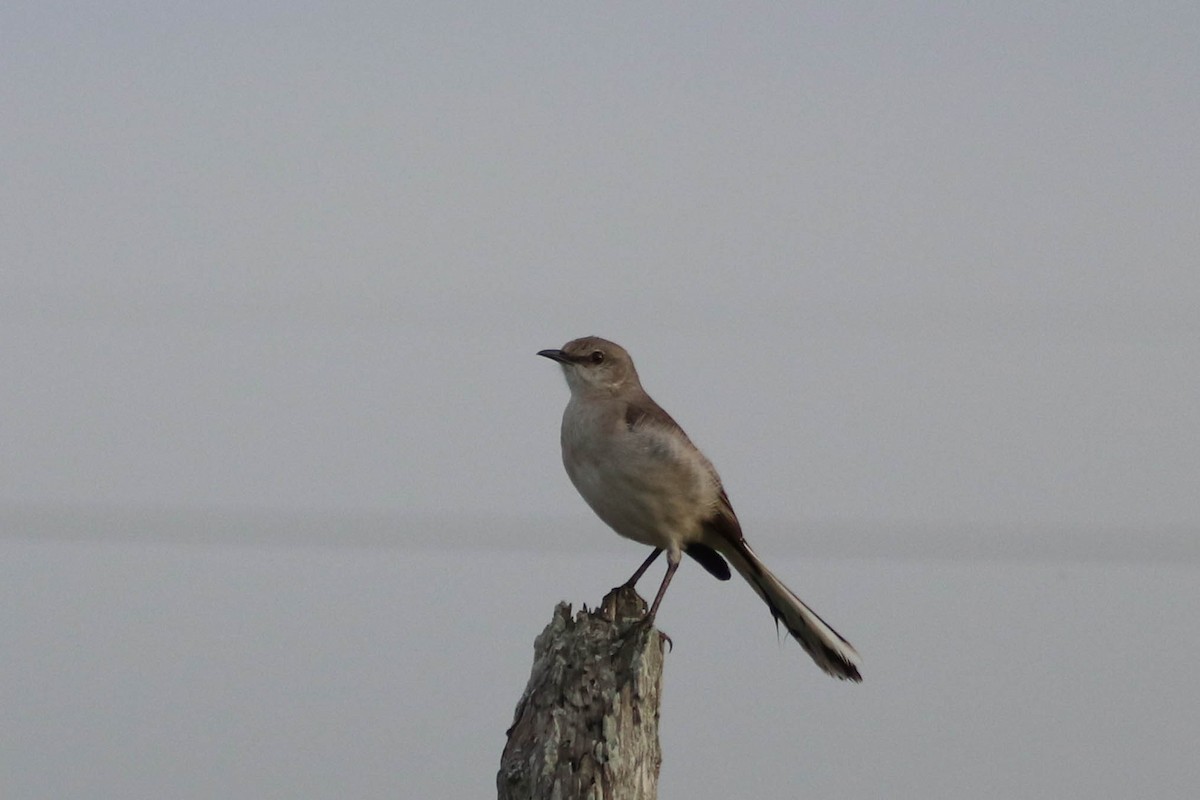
[646, 623]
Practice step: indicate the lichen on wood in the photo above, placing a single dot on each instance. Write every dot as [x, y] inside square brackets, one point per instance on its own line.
[586, 726]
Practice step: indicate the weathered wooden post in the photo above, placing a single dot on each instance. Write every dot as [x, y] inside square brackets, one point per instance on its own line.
[587, 725]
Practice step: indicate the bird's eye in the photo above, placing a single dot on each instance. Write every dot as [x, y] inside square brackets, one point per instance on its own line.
[597, 356]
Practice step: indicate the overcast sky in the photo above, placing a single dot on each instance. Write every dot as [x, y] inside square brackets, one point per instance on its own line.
[885, 263]
[895, 268]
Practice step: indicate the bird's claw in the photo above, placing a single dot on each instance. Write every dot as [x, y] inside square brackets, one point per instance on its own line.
[647, 623]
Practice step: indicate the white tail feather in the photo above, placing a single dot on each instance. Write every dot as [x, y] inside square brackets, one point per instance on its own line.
[828, 649]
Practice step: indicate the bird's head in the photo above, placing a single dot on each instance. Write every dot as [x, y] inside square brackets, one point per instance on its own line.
[592, 364]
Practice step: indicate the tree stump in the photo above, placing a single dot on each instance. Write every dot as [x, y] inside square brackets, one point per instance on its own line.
[587, 724]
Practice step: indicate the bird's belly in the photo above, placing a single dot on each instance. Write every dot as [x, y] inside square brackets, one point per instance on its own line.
[657, 504]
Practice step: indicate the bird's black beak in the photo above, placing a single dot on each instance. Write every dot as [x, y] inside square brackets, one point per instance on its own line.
[555, 355]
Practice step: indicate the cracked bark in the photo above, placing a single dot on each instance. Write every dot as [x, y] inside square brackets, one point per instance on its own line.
[586, 726]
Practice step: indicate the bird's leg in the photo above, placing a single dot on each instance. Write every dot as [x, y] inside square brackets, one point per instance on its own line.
[642, 569]
[673, 558]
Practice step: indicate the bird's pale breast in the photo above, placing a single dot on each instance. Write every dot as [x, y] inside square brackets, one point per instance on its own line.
[645, 481]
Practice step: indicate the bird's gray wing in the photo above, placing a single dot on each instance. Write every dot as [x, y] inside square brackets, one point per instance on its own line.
[642, 410]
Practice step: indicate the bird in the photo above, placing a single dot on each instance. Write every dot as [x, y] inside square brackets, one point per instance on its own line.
[641, 474]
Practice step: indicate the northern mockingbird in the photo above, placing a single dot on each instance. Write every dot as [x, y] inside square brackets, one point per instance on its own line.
[642, 475]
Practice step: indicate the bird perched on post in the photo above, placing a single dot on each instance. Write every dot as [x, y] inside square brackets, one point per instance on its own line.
[642, 475]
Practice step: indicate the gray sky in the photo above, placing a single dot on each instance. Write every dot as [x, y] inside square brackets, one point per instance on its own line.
[926, 264]
[279, 271]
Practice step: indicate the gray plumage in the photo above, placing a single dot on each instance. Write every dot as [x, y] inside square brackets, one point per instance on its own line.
[641, 474]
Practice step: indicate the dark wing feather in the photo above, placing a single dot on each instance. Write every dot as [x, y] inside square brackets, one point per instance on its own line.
[724, 525]
[710, 559]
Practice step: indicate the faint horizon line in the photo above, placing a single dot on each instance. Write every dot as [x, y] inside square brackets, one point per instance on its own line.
[838, 539]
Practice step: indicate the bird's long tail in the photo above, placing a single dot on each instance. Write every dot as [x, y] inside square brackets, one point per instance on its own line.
[826, 646]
